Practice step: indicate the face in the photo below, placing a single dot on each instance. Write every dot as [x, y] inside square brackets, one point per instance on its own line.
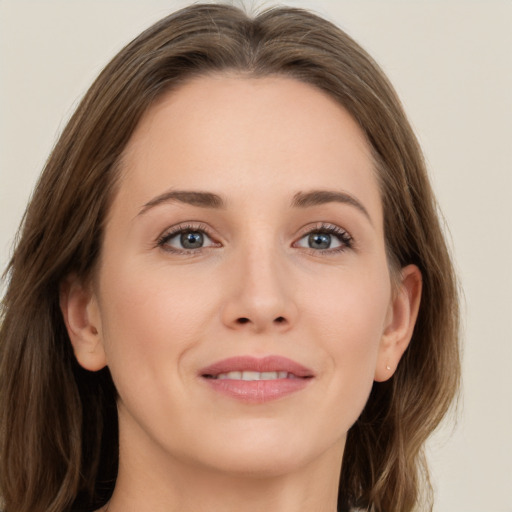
[243, 301]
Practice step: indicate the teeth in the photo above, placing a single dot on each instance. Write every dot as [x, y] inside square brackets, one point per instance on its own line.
[230, 375]
[250, 375]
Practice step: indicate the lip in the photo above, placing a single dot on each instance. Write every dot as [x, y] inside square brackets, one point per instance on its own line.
[257, 391]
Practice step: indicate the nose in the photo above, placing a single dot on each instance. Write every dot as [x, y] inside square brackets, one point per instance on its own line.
[260, 294]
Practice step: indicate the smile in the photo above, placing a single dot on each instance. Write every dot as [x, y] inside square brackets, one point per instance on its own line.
[256, 380]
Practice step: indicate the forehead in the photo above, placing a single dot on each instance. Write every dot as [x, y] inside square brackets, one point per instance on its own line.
[248, 137]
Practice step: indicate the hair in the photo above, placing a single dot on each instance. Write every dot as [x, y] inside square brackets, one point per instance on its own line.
[58, 429]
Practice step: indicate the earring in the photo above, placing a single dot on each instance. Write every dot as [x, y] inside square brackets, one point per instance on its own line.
[388, 367]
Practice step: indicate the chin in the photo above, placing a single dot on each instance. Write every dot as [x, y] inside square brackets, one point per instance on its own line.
[265, 453]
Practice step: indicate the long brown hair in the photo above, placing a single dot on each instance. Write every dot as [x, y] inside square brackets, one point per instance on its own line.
[58, 430]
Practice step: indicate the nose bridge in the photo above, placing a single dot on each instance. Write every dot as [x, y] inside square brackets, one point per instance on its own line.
[261, 293]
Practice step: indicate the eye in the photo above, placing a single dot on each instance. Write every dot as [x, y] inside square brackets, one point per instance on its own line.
[185, 239]
[326, 237]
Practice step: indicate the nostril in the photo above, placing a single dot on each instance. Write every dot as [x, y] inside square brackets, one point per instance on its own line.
[244, 320]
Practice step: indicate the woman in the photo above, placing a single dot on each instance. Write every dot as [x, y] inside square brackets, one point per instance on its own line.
[231, 289]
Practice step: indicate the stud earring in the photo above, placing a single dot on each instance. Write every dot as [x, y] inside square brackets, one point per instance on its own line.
[388, 367]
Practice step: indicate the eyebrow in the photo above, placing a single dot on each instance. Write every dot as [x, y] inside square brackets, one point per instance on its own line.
[319, 197]
[211, 200]
[201, 199]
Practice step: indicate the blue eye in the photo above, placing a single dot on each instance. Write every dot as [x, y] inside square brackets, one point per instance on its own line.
[325, 238]
[185, 239]
[191, 239]
[320, 241]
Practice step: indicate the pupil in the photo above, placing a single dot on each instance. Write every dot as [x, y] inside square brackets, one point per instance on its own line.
[319, 241]
[191, 240]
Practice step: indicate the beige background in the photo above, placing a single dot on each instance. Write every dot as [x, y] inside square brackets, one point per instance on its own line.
[451, 62]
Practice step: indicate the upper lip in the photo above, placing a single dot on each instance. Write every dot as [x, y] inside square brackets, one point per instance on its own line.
[257, 364]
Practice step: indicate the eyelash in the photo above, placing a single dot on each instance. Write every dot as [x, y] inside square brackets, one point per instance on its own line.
[343, 237]
[347, 242]
[179, 229]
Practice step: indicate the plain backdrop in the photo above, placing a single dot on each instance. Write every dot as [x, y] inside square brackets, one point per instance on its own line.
[451, 62]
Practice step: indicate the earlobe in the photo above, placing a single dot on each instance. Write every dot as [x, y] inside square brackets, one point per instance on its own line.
[400, 323]
[80, 310]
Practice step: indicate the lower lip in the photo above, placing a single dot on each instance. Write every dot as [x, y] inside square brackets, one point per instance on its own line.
[257, 391]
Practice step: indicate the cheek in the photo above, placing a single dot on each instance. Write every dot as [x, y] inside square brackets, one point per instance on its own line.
[348, 320]
[350, 306]
[152, 316]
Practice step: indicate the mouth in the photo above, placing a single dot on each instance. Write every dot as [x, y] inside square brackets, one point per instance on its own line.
[256, 380]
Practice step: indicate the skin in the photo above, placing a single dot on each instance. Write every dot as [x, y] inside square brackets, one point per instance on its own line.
[156, 316]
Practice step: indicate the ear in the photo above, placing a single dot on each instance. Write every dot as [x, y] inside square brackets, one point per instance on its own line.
[81, 314]
[400, 321]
